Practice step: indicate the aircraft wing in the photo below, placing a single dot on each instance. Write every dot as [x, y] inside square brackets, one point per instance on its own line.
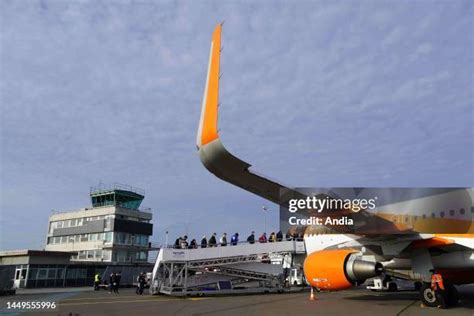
[229, 168]
[212, 152]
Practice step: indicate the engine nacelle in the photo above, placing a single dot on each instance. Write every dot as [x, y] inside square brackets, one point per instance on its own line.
[338, 269]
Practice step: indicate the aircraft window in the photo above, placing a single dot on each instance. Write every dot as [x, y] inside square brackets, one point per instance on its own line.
[441, 214]
[462, 211]
[432, 215]
[472, 209]
[451, 212]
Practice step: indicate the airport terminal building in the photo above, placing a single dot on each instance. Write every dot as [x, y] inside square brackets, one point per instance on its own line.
[111, 236]
[114, 230]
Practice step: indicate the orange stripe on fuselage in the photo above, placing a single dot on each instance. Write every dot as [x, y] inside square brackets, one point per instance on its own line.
[454, 227]
[431, 242]
[455, 235]
[209, 127]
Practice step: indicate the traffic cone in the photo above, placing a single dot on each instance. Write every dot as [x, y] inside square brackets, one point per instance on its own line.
[311, 296]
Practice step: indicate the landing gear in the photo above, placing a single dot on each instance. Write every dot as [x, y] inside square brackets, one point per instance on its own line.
[428, 296]
[452, 295]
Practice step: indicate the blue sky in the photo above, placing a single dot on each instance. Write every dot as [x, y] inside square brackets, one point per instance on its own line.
[313, 93]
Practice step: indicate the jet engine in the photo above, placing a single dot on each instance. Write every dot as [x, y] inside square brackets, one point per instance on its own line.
[338, 269]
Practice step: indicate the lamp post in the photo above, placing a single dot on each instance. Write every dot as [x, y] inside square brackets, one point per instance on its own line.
[264, 209]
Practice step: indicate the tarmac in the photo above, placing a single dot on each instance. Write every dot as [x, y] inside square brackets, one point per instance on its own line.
[350, 302]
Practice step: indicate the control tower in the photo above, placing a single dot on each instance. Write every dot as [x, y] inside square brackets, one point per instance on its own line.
[113, 231]
[117, 195]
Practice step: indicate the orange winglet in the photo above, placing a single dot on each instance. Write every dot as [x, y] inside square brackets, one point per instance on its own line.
[210, 103]
[431, 242]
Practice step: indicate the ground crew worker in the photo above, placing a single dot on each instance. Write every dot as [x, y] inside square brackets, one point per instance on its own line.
[437, 286]
[96, 282]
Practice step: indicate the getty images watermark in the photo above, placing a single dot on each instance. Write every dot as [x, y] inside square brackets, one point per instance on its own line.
[376, 210]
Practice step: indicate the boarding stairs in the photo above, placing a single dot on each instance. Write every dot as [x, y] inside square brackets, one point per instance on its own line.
[244, 266]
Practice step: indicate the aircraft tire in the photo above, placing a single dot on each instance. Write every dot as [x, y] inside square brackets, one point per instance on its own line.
[452, 295]
[427, 295]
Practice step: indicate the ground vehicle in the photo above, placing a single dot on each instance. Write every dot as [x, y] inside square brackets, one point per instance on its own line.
[392, 285]
[295, 277]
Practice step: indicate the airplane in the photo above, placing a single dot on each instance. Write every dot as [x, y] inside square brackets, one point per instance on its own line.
[416, 242]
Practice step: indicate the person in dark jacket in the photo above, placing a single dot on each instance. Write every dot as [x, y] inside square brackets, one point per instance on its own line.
[141, 280]
[279, 236]
[203, 242]
[114, 283]
[142, 283]
[234, 239]
[177, 243]
[111, 282]
[251, 238]
[193, 244]
[213, 241]
[118, 277]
